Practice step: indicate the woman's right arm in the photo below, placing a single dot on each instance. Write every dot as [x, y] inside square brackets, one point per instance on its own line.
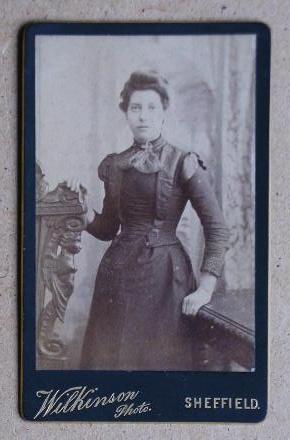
[105, 225]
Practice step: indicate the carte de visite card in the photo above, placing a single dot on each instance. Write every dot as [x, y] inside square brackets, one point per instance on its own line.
[144, 222]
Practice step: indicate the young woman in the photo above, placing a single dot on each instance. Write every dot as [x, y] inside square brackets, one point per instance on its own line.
[145, 289]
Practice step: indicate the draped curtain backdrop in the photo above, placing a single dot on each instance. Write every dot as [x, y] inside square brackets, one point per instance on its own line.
[78, 122]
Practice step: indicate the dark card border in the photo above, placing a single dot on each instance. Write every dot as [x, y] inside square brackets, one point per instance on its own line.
[165, 390]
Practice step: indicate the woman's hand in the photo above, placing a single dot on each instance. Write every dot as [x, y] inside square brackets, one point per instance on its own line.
[194, 301]
[202, 296]
[75, 185]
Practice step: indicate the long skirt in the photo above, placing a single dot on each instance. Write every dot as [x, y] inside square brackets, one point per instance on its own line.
[136, 320]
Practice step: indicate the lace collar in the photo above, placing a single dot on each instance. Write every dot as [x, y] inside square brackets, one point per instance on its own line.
[155, 144]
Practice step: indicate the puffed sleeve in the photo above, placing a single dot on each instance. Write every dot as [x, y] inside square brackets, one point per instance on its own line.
[106, 224]
[201, 195]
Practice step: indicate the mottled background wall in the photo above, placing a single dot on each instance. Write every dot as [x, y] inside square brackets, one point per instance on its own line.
[277, 14]
[78, 122]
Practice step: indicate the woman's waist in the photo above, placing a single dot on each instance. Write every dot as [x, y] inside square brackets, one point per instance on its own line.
[154, 234]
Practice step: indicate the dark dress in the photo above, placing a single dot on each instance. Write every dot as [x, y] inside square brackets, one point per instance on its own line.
[135, 321]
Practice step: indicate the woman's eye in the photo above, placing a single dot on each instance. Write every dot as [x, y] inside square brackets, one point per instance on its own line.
[135, 108]
[152, 107]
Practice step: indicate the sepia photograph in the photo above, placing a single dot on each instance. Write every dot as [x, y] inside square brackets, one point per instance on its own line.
[145, 202]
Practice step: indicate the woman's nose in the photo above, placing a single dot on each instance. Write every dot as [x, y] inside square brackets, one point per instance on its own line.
[143, 114]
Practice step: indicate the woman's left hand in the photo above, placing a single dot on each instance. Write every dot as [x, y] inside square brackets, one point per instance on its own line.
[202, 296]
[194, 301]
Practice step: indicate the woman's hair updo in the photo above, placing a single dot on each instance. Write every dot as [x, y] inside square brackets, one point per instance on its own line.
[144, 80]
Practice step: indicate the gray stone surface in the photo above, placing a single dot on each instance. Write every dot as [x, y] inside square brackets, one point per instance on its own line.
[276, 13]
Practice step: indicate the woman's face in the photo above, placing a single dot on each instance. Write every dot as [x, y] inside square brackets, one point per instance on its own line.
[145, 115]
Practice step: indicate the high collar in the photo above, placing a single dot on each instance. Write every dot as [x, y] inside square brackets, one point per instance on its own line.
[156, 143]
